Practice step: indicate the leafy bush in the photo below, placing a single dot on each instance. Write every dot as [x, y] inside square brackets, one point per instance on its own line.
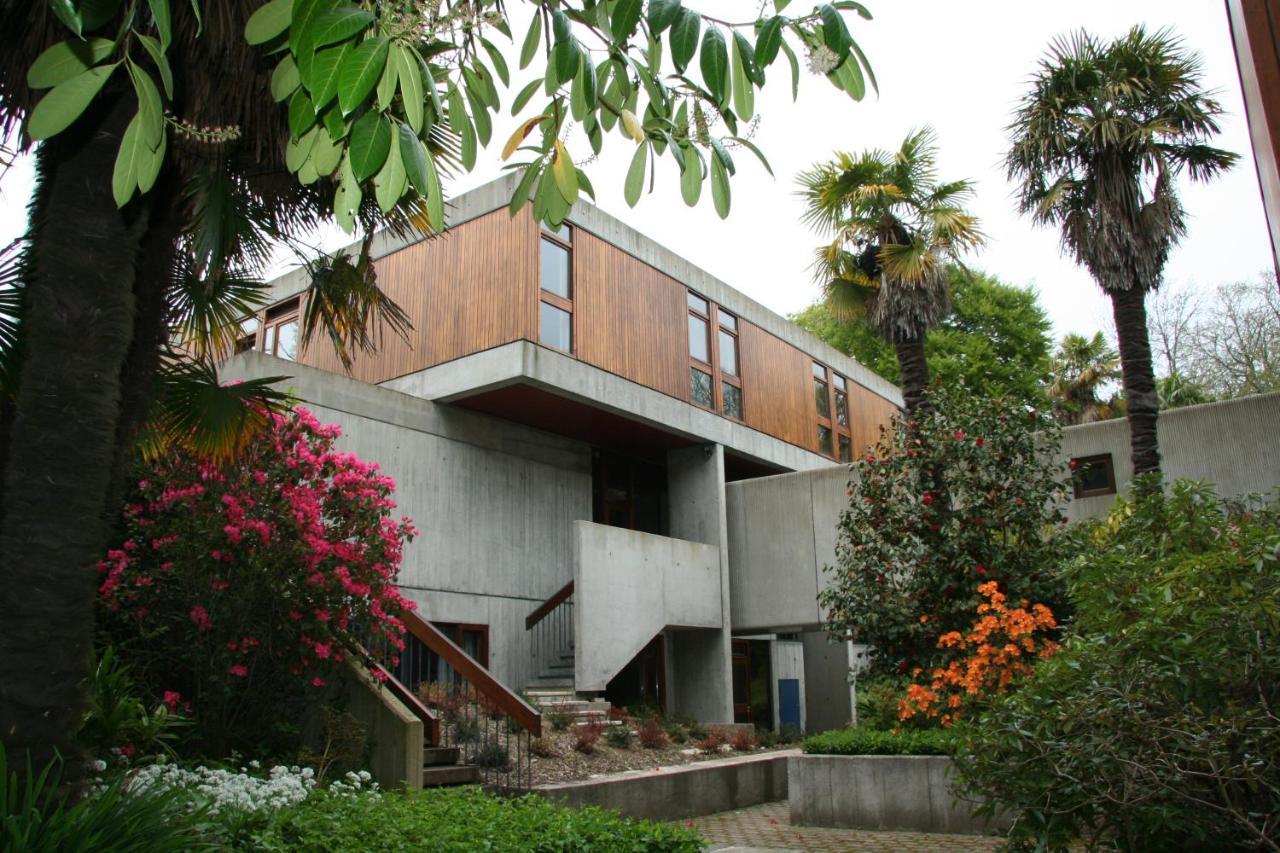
[743, 740]
[543, 748]
[118, 720]
[1155, 727]
[464, 819]
[493, 756]
[957, 497]
[618, 737]
[559, 720]
[712, 742]
[265, 572]
[877, 701]
[586, 736]
[677, 732]
[36, 818]
[865, 741]
[651, 734]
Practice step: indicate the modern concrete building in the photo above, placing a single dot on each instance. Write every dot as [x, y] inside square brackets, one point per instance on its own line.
[580, 424]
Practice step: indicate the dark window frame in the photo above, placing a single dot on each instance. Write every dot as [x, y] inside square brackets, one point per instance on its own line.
[278, 315]
[554, 299]
[719, 378]
[837, 386]
[1108, 467]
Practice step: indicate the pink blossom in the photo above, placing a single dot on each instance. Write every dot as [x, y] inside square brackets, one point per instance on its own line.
[239, 670]
[317, 682]
[200, 617]
[172, 699]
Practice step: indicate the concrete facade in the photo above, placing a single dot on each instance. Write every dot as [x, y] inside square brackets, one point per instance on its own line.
[1233, 444]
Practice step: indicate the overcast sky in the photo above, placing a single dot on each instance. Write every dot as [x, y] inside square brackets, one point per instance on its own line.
[959, 67]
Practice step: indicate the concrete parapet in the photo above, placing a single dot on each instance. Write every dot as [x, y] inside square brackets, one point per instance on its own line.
[395, 734]
[676, 793]
[879, 792]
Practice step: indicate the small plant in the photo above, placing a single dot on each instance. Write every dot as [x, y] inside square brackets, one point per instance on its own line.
[466, 731]
[619, 737]
[789, 734]
[744, 740]
[559, 720]
[767, 739]
[651, 734]
[493, 757]
[586, 736]
[697, 731]
[543, 748]
[342, 744]
[618, 715]
[711, 742]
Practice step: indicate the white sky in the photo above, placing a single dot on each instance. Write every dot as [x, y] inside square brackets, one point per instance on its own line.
[959, 67]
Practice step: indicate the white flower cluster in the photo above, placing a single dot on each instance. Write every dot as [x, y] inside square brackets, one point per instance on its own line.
[224, 789]
[822, 59]
[354, 783]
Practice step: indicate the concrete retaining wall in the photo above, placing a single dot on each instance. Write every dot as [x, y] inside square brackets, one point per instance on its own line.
[395, 734]
[675, 793]
[887, 792]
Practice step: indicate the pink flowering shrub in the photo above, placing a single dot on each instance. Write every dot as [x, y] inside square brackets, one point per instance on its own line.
[238, 590]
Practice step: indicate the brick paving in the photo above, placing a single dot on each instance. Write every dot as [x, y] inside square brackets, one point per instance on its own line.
[768, 827]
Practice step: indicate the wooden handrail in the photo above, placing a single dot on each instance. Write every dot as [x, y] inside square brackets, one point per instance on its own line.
[402, 692]
[507, 701]
[547, 606]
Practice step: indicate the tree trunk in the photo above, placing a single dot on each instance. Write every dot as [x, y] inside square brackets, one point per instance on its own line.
[1143, 404]
[78, 331]
[915, 373]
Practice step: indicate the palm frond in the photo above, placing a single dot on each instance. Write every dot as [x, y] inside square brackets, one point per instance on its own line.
[12, 309]
[205, 311]
[192, 410]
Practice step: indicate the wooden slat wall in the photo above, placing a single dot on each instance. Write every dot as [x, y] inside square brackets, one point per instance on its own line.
[470, 290]
[867, 413]
[777, 388]
[629, 319]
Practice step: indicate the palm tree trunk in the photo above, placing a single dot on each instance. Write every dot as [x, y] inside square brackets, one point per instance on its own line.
[79, 329]
[915, 372]
[1130, 311]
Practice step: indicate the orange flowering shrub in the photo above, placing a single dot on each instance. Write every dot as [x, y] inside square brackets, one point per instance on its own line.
[1003, 645]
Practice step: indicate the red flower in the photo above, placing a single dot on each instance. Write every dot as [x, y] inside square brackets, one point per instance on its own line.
[172, 699]
[927, 499]
[239, 670]
[959, 435]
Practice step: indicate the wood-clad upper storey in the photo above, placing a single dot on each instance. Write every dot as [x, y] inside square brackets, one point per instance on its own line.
[470, 290]
[480, 286]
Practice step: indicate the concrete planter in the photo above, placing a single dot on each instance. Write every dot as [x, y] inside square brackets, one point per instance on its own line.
[886, 792]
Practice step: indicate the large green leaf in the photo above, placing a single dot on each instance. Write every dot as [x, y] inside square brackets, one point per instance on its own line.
[626, 14]
[525, 95]
[386, 90]
[635, 175]
[499, 64]
[566, 176]
[335, 25]
[150, 107]
[521, 195]
[124, 175]
[662, 14]
[691, 177]
[714, 61]
[66, 11]
[326, 72]
[390, 182]
[370, 142]
[163, 20]
[296, 151]
[346, 201]
[834, 31]
[684, 38]
[410, 78]
[65, 60]
[326, 153]
[744, 91]
[531, 40]
[302, 113]
[284, 79]
[414, 155]
[153, 49]
[65, 102]
[480, 114]
[434, 196]
[360, 71]
[268, 21]
[720, 187]
[769, 39]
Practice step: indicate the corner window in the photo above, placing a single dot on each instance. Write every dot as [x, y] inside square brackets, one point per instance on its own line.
[831, 402]
[1094, 476]
[280, 331]
[555, 327]
[713, 361]
[248, 338]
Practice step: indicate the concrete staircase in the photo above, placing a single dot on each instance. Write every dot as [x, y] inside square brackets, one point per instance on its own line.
[440, 767]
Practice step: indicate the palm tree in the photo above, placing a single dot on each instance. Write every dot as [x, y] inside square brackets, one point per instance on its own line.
[1098, 144]
[1081, 368]
[894, 231]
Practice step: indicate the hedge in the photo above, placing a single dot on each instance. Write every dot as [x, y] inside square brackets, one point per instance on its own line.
[866, 741]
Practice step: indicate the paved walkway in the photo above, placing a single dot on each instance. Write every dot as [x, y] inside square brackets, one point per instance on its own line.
[768, 827]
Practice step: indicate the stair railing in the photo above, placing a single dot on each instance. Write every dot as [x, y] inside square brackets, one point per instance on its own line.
[551, 631]
[491, 726]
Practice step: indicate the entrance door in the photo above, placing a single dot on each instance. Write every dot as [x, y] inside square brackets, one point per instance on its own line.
[752, 683]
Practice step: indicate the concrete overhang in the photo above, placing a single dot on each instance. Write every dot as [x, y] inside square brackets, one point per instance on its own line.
[522, 363]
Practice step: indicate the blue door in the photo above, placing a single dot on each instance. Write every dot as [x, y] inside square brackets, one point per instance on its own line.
[789, 703]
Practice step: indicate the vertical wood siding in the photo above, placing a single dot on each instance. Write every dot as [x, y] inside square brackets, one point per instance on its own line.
[867, 413]
[629, 319]
[470, 290]
[777, 391]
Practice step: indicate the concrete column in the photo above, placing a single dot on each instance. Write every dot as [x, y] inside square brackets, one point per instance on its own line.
[699, 671]
[829, 697]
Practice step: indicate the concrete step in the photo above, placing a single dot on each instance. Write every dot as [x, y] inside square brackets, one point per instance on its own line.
[434, 756]
[462, 774]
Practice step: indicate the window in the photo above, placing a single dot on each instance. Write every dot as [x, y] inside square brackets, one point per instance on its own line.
[831, 395]
[714, 382]
[280, 330]
[555, 328]
[1094, 475]
[248, 338]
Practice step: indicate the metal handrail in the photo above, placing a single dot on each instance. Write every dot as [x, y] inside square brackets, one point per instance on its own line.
[545, 608]
[472, 672]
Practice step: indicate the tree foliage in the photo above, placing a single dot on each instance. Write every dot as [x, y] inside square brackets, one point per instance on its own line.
[1081, 372]
[1157, 726]
[958, 497]
[995, 341]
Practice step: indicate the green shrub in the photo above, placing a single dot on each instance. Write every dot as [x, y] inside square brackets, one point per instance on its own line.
[959, 496]
[463, 819]
[35, 818]
[117, 718]
[559, 720]
[1155, 727]
[877, 701]
[494, 756]
[618, 737]
[865, 741]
